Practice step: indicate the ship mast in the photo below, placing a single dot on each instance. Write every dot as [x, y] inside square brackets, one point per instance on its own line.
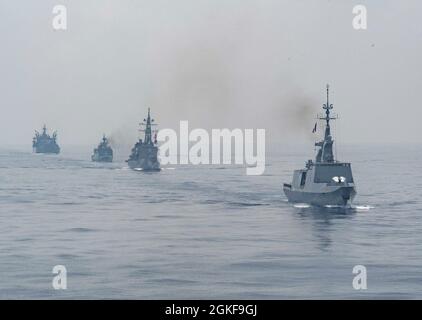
[148, 123]
[327, 117]
[325, 153]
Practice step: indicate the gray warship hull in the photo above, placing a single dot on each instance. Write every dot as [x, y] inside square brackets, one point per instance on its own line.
[144, 165]
[47, 149]
[341, 196]
[144, 157]
[102, 158]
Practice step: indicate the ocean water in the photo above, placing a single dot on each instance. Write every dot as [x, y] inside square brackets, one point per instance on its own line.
[206, 231]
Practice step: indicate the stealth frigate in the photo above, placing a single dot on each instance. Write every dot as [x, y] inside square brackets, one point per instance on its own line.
[144, 155]
[325, 181]
[44, 143]
[103, 153]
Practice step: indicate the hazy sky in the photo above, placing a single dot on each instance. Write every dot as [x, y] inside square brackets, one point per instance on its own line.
[216, 63]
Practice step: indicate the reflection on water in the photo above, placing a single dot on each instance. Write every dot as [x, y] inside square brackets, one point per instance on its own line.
[321, 219]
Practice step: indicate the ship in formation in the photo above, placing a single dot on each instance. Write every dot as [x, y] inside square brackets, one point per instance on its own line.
[144, 154]
[104, 152]
[325, 181]
[44, 143]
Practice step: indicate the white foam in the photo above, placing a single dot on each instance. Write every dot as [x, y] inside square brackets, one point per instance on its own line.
[301, 205]
[363, 208]
[122, 169]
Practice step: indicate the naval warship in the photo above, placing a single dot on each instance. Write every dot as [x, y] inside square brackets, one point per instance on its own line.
[144, 153]
[103, 153]
[325, 181]
[44, 143]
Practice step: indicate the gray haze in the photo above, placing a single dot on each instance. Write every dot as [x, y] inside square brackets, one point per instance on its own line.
[227, 63]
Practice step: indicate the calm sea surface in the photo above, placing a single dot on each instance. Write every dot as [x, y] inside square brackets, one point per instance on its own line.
[206, 231]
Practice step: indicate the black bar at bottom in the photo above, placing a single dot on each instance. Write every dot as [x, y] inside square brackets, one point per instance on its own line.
[208, 309]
